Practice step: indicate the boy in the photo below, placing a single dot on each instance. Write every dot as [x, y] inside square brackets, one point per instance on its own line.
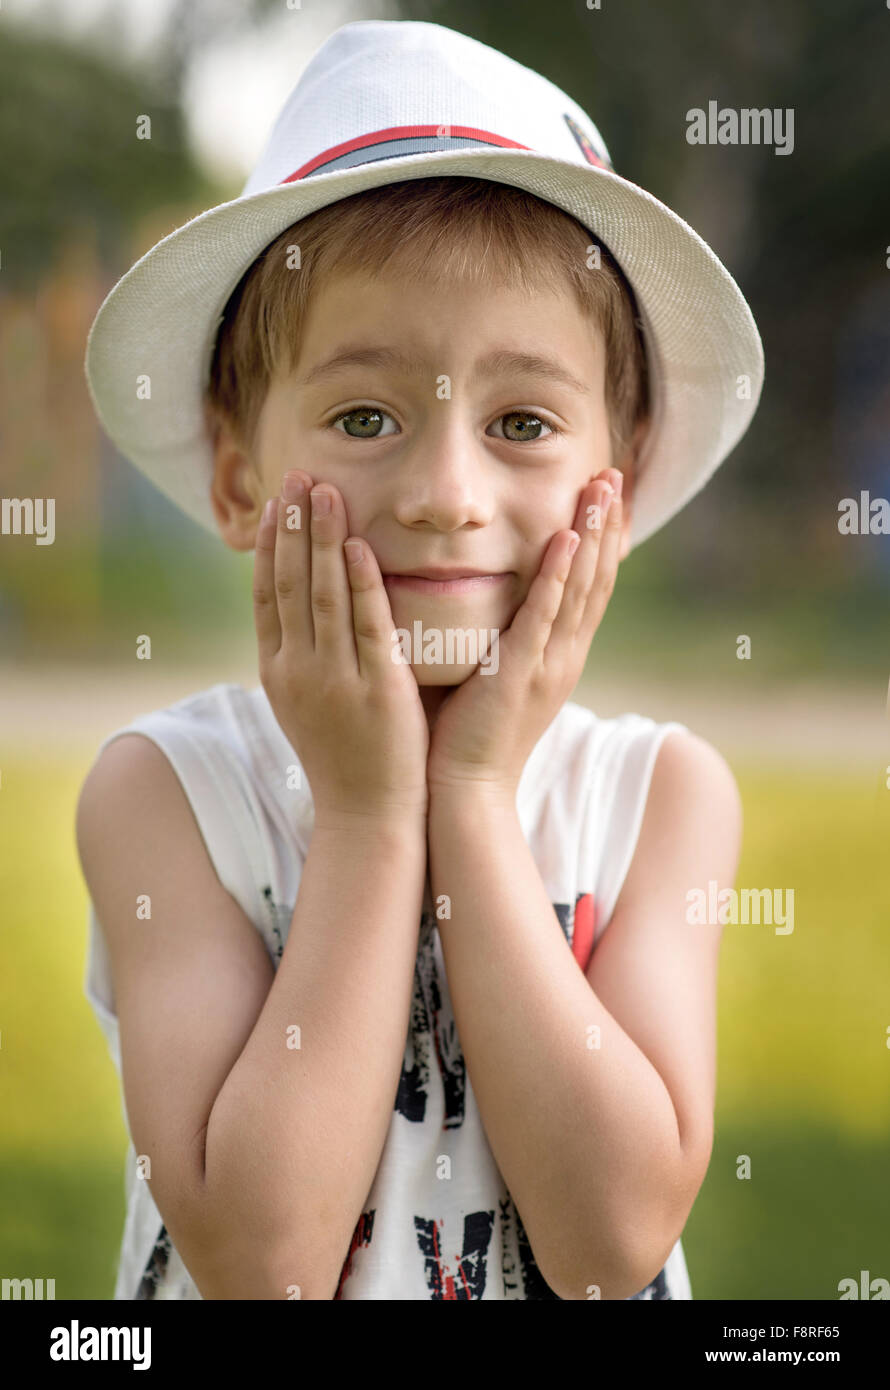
[422, 214]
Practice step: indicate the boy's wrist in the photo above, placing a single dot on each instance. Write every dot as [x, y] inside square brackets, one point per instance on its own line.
[394, 820]
[453, 798]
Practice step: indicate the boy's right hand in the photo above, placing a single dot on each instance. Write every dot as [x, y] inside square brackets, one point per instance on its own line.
[324, 629]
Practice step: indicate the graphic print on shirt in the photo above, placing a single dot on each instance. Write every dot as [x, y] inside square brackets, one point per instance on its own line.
[279, 920]
[579, 926]
[156, 1269]
[429, 1033]
[360, 1236]
[517, 1256]
[464, 1279]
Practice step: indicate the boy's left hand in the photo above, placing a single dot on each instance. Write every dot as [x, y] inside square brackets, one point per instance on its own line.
[487, 727]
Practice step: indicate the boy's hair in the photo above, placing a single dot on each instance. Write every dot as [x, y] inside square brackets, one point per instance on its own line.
[445, 229]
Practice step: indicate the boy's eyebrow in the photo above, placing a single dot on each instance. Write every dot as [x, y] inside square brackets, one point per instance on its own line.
[499, 362]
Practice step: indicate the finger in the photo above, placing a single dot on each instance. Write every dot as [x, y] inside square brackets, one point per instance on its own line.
[372, 618]
[606, 570]
[534, 619]
[292, 561]
[330, 589]
[591, 527]
[265, 604]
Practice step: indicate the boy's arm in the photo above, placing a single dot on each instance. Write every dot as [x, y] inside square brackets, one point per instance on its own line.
[294, 1138]
[603, 1148]
[262, 1155]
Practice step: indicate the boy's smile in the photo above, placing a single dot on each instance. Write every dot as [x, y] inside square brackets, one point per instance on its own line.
[443, 463]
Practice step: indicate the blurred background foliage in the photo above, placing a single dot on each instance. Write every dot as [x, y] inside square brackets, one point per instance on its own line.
[803, 1055]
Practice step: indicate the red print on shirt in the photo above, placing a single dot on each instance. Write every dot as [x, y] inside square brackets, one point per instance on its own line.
[585, 926]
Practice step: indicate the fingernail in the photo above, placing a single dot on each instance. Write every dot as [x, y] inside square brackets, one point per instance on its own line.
[269, 510]
[574, 543]
[617, 481]
[321, 503]
[293, 487]
[353, 551]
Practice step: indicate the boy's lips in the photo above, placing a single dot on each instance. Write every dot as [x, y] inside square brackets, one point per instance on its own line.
[434, 580]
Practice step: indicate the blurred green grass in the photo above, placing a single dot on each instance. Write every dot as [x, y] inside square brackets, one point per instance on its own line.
[803, 1060]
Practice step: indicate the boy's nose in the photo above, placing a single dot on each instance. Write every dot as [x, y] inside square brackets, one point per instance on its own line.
[445, 481]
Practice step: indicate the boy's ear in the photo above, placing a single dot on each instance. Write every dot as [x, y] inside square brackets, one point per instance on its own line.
[235, 492]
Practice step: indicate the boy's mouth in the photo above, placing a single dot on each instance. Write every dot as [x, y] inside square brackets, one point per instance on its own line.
[443, 581]
[459, 584]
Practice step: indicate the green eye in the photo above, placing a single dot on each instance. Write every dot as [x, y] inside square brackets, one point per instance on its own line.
[525, 431]
[366, 419]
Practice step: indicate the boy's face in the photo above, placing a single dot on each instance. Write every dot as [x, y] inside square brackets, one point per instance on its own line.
[436, 476]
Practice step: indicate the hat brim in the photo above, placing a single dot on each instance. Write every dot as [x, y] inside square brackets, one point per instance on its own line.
[161, 319]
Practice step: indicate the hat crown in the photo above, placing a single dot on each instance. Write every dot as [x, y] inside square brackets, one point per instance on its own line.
[383, 89]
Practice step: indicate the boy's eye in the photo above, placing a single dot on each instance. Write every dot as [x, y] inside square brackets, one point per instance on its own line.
[366, 421]
[528, 430]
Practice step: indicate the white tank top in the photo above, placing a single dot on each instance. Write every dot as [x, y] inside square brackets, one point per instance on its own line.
[580, 802]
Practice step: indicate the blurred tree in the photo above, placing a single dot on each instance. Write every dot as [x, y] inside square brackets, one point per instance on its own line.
[194, 25]
[71, 158]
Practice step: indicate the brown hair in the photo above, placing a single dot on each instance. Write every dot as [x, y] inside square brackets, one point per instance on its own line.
[506, 236]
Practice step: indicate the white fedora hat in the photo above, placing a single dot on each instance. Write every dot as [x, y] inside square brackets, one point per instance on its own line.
[383, 101]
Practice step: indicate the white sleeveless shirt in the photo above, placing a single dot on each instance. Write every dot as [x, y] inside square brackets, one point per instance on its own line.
[580, 802]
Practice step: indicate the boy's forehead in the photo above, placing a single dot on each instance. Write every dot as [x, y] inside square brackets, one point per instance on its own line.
[498, 361]
[402, 326]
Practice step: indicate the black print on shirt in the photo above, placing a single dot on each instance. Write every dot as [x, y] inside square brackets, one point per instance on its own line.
[279, 920]
[156, 1269]
[520, 1275]
[467, 1279]
[429, 1035]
